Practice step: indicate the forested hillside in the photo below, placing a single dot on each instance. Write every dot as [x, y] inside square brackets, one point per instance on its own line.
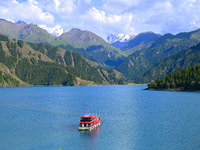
[7, 80]
[40, 64]
[185, 58]
[138, 63]
[187, 79]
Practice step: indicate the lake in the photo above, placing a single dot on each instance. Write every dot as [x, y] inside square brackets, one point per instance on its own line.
[47, 118]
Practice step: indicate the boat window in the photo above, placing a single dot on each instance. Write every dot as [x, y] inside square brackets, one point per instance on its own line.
[86, 119]
[84, 125]
[81, 125]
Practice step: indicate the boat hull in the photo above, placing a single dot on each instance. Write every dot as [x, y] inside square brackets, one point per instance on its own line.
[89, 128]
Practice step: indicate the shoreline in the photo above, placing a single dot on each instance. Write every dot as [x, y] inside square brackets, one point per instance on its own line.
[177, 89]
[66, 86]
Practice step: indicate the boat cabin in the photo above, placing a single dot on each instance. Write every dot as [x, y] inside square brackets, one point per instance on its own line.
[89, 121]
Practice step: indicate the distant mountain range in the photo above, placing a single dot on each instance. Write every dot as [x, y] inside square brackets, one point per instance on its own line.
[130, 43]
[85, 43]
[138, 59]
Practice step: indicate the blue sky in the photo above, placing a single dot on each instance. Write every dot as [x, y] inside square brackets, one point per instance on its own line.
[106, 16]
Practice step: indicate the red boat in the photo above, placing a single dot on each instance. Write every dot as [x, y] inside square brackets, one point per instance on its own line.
[89, 122]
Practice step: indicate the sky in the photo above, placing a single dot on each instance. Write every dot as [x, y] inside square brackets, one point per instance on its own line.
[105, 17]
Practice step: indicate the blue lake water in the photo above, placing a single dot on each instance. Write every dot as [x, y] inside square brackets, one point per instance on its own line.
[47, 118]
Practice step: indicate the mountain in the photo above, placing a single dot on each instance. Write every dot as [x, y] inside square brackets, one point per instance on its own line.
[85, 43]
[138, 63]
[22, 23]
[185, 58]
[95, 46]
[142, 40]
[186, 79]
[29, 33]
[41, 64]
[11, 29]
[119, 40]
[34, 34]
[118, 44]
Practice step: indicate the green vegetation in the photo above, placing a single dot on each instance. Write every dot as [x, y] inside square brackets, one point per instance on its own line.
[48, 50]
[12, 45]
[3, 37]
[7, 80]
[20, 43]
[185, 58]
[51, 66]
[33, 61]
[44, 74]
[187, 79]
[79, 67]
[8, 61]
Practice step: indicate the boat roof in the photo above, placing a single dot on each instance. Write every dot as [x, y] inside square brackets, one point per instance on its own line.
[88, 115]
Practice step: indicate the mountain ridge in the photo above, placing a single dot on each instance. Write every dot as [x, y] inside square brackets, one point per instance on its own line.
[141, 41]
[138, 63]
[94, 45]
[182, 59]
[86, 43]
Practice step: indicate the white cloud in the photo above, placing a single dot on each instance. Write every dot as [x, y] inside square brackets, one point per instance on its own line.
[57, 2]
[88, 1]
[121, 3]
[56, 30]
[97, 15]
[107, 16]
[27, 11]
[173, 16]
[101, 16]
[105, 23]
[163, 7]
[63, 8]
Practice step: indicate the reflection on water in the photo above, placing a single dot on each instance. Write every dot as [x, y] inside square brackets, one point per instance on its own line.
[92, 132]
[92, 137]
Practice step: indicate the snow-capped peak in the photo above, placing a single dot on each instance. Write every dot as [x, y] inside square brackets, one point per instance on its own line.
[55, 31]
[111, 38]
